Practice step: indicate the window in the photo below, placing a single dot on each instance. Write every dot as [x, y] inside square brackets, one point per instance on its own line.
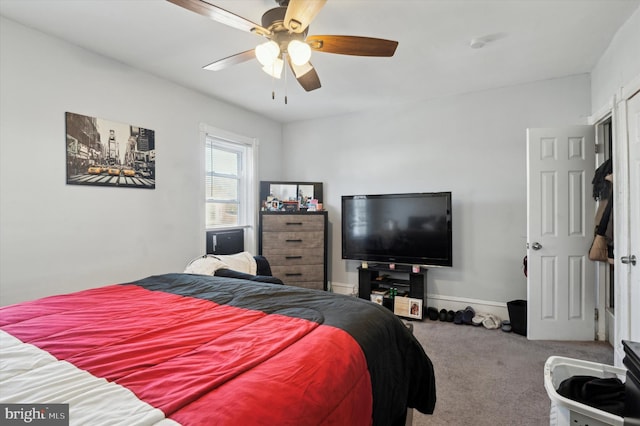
[225, 170]
[229, 180]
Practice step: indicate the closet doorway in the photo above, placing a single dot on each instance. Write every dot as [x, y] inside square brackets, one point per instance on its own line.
[605, 271]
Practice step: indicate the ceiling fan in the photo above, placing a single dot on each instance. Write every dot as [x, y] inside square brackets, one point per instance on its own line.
[286, 29]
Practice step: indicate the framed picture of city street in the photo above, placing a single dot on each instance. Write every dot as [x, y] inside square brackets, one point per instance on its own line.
[107, 153]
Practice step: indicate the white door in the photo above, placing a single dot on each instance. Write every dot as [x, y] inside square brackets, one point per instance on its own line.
[630, 258]
[627, 233]
[560, 218]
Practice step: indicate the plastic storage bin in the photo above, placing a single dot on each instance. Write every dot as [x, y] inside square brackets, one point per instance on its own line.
[565, 411]
[632, 385]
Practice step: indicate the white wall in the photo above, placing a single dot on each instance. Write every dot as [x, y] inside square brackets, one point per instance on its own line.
[619, 64]
[56, 238]
[473, 145]
[59, 238]
[619, 67]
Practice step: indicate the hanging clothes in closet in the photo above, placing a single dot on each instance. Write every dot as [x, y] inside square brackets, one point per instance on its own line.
[603, 192]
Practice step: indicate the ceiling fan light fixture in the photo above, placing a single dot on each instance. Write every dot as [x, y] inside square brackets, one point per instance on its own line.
[281, 25]
[300, 70]
[299, 52]
[267, 53]
[275, 68]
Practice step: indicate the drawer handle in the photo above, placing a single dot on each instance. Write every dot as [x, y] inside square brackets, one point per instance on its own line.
[294, 223]
[293, 257]
[293, 275]
[294, 241]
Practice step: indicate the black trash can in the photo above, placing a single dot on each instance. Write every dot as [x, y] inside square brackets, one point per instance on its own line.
[518, 316]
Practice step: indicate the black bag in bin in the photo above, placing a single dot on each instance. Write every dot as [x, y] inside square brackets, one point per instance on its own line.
[606, 394]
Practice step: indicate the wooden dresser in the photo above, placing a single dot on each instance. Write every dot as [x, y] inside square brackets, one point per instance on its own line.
[295, 244]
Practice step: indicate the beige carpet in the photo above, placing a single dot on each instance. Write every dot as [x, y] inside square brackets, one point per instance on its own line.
[489, 377]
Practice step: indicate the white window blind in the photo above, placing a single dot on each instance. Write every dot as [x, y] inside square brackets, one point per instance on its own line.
[228, 182]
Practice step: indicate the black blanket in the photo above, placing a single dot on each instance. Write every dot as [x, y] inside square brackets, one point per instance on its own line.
[401, 373]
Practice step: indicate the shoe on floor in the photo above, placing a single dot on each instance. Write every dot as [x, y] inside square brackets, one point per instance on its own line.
[492, 322]
[443, 314]
[477, 319]
[468, 314]
[457, 319]
[432, 313]
[506, 326]
[450, 316]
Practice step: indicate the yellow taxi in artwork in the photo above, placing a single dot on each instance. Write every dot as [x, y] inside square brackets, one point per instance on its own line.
[114, 171]
[94, 169]
[128, 171]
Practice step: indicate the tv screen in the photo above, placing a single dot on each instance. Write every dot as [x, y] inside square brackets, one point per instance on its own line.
[398, 228]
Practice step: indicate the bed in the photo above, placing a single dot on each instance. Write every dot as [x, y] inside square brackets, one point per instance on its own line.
[208, 350]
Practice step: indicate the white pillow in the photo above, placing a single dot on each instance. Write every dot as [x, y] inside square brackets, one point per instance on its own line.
[241, 262]
[209, 264]
[205, 266]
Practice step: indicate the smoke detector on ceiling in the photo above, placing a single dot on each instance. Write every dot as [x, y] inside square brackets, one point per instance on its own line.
[480, 42]
[476, 43]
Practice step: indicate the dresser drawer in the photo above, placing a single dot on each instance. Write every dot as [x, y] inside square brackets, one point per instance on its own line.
[313, 256]
[284, 242]
[293, 223]
[294, 274]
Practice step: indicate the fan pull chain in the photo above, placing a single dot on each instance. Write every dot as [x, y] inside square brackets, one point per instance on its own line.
[273, 87]
[285, 80]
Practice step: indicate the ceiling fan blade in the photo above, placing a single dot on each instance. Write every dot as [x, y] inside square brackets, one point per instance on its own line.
[300, 13]
[231, 60]
[221, 15]
[306, 75]
[352, 45]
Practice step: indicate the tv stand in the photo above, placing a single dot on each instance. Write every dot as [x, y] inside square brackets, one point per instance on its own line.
[378, 277]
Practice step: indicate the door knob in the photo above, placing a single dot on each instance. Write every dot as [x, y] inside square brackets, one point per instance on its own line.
[536, 246]
[629, 259]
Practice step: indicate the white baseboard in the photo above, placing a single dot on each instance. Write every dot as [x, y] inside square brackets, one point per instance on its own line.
[341, 288]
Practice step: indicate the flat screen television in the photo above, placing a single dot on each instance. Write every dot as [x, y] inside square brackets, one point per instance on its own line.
[410, 229]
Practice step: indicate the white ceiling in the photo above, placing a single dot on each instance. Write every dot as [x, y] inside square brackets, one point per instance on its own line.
[532, 40]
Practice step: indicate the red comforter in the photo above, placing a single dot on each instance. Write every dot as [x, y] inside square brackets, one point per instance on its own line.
[211, 350]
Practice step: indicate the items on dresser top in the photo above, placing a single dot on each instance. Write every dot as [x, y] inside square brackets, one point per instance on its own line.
[290, 196]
